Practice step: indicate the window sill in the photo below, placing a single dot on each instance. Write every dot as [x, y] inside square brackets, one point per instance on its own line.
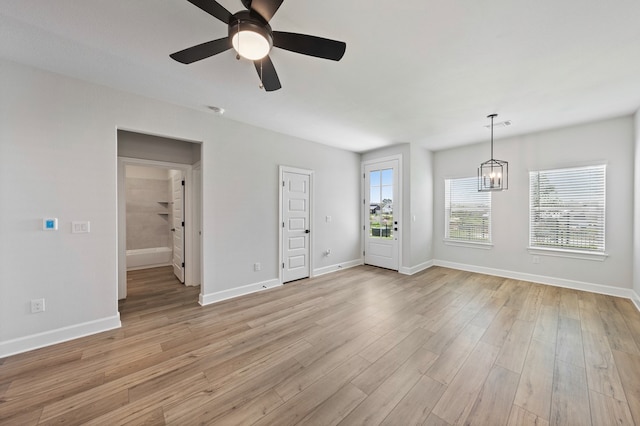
[470, 244]
[571, 254]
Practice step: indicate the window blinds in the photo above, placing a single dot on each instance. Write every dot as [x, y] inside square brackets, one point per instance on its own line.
[467, 211]
[567, 208]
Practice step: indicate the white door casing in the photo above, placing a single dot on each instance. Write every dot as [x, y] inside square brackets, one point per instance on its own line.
[296, 230]
[177, 215]
[191, 251]
[196, 238]
[381, 213]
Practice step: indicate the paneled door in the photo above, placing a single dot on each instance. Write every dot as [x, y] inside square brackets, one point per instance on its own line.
[295, 225]
[381, 214]
[177, 216]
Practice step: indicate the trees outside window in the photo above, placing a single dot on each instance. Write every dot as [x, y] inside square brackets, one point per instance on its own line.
[567, 209]
[467, 211]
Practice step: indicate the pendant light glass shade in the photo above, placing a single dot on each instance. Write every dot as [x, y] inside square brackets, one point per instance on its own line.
[493, 175]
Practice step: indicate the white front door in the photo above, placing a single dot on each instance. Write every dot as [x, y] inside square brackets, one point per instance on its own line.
[295, 225]
[381, 214]
[177, 215]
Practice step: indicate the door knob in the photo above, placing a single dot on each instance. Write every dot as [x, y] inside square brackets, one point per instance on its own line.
[306, 231]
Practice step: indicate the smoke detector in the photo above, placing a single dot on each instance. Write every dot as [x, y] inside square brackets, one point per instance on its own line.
[216, 110]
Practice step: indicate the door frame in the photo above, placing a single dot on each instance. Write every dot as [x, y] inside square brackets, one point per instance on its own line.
[192, 239]
[287, 169]
[398, 207]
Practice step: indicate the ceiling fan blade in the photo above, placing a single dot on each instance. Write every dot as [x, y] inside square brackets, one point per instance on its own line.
[202, 51]
[266, 8]
[213, 8]
[267, 73]
[310, 45]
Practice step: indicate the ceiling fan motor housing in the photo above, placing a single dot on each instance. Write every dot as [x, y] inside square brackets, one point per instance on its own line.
[247, 21]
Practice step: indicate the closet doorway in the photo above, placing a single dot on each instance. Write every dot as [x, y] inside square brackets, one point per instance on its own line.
[159, 208]
[155, 206]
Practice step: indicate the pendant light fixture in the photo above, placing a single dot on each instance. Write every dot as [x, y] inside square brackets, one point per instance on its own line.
[493, 175]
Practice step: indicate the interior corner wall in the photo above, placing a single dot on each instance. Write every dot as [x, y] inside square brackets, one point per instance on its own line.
[636, 211]
[245, 205]
[58, 158]
[421, 210]
[609, 141]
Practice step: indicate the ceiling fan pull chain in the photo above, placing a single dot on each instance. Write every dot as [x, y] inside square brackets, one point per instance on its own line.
[238, 53]
[261, 79]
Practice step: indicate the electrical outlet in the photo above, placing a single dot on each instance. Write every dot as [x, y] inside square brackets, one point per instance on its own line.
[257, 267]
[327, 252]
[535, 259]
[37, 305]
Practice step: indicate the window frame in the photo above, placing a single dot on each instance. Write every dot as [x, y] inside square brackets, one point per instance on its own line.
[570, 251]
[472, 188]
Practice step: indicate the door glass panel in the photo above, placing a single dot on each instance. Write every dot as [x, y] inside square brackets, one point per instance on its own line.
[381, 204]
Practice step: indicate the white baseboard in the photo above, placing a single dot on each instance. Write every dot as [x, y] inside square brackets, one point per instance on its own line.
[415, 269]
[52, 337]
[337, 267]
[635, 299]
[207, 299]
[542, 279]
[154, 265]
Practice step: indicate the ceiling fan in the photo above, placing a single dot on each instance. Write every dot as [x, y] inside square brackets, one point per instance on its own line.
[252, 37]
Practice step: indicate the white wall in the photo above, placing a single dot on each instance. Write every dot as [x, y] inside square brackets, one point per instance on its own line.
[58, 150]
[421, 210]
[245, 204]
[145, 172]
[609, 141]
[157, 148]
[636, 211]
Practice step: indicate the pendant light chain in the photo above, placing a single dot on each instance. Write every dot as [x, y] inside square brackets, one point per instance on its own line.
[492, 116]
[238, 33]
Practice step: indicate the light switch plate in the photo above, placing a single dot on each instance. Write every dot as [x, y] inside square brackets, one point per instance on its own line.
[80, 227]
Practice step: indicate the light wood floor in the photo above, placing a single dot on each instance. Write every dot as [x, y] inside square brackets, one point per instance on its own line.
[361, 346]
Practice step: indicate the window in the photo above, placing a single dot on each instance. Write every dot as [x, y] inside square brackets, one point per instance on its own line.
[381, 203]
[567, 209]
[467, 211]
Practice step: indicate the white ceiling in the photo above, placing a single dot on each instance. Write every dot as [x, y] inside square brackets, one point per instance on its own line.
[420, 71]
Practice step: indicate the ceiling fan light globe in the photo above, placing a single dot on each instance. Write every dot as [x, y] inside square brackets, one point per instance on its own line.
[250, 44]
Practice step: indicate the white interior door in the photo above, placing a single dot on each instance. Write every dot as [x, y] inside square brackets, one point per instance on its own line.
[295, 225]
[177, 215]
[381, 218]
